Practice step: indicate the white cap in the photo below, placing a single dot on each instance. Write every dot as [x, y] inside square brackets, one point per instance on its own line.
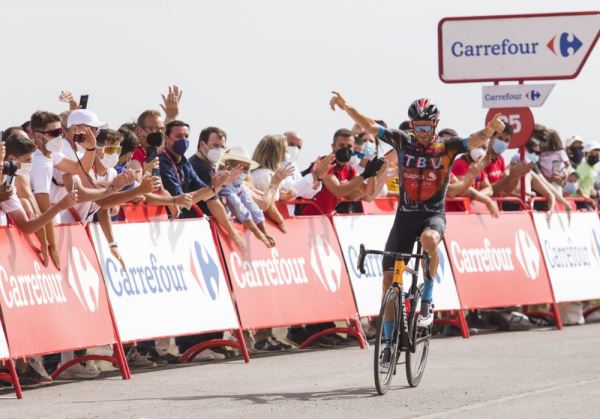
[239, 154]
[84, 117]
[593, 145]
[572, 139]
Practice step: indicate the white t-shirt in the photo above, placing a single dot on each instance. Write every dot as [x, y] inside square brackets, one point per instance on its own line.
[40, 176]
[57, 192]
[261, 179]
[6, 207]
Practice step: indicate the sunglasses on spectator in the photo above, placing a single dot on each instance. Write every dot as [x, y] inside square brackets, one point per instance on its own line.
[111, 149]
[423, 128]
[53, 133]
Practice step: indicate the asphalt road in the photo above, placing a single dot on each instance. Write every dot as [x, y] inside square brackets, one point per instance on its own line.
[541, 373]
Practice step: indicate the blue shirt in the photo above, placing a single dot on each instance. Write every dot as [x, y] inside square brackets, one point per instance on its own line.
[241, 205]
[179, 177]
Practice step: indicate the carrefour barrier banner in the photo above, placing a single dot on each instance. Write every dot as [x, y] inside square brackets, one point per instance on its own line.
[572, 253]
[47, 310]
[301, 280]
[373, 231]
[496, 261]
[172, 284]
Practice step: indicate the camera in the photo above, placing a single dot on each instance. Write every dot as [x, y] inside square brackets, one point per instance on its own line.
[9, 168]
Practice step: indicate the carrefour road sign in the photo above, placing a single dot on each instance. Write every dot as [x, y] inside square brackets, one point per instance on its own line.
[515, 95]
[516, 47]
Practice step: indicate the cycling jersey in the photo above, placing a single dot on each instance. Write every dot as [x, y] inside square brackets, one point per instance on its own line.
[424, 171]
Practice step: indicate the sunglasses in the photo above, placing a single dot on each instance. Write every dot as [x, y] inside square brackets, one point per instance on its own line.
[53, 133]
[423, 128]
[112, 149]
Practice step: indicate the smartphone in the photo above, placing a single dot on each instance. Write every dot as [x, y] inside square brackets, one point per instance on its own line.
[83, 100]
[79, 137]
[556, 166]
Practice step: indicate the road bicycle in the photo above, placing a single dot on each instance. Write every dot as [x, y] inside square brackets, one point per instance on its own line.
[402, 309]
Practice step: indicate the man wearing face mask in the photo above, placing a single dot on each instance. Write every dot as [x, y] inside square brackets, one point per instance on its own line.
[424, 165]
[179, 177]
[574, 149]
[342, 179]
[211, 146]
[588, 170]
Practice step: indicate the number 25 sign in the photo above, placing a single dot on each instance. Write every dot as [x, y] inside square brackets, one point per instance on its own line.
[521, 120]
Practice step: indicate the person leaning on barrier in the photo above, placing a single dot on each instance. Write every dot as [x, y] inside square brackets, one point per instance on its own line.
[588, 170]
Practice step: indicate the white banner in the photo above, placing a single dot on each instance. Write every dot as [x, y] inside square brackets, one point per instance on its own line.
[3, 345]
[373, 231]
[572, 254]
[521, 47]
[173, 283]
[515, 95]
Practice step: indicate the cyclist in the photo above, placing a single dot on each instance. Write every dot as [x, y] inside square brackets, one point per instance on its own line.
[424, 163]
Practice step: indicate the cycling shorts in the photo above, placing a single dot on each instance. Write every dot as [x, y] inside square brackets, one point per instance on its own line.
[407, 229]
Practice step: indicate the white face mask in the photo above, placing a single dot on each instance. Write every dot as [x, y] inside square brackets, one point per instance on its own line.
[292, 154]
[214, 155]
[570, 188]
[369, 150]
[110, 160]
[24, 169]
[477, 154]
[531, 157]
[54, 145]
[240, 179]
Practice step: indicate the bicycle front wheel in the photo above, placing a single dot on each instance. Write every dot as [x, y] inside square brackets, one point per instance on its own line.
[386, 346]
[416, 355]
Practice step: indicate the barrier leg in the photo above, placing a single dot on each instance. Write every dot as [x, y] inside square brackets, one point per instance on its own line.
[121, 358]
[457, 321]
[589, 311]
[112, 359]
[557, 318]
[191, 353]
[12, 377]
[332, 331]
[240, 336]
[464, 327]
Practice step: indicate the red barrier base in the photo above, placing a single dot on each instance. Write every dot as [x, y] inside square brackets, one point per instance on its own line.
[457, 320]
[354, 329]
[240, 344]
[118, 360]
[554, 314]
[11, 377]
[589, 311]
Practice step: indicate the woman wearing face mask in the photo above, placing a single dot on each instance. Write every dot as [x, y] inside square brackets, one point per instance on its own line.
[554, 161]
[270, 155]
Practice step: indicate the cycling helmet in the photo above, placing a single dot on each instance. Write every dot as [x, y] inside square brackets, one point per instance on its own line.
[423, 110]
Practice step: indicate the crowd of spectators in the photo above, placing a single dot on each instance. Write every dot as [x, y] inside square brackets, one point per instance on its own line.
[71, 166]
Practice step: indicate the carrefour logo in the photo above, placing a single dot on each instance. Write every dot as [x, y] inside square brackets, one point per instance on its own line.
[527, 254]
[533, 95]
[326, 264]
[500, 48]
[565, 45]
[83, 279]
[208, 268]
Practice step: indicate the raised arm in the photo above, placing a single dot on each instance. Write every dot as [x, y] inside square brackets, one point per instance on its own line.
[481, 137]
[366, 123]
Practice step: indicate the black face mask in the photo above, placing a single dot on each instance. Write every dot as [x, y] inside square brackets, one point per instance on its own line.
[343, 155]
[577, 154]
[592, 160]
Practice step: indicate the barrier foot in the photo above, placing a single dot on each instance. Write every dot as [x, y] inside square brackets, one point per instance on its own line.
[557, 318]
[191, 353]
[11, 377]
[457, 321]
[589, 311]
[333, 330]
[240, 337]
[112, 359]
[119, 354]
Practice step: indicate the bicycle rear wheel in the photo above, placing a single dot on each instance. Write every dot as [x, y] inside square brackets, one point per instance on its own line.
[419, 336]
[386, 347]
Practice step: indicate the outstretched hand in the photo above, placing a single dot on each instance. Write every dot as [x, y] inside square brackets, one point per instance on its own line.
[496, 124]
[337, 100]
[170, 104]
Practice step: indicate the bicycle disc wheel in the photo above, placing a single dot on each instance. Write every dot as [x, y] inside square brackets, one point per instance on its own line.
[386, 348]
[419, 336]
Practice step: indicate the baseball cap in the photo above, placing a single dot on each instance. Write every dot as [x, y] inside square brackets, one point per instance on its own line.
[85, 117]
[572, 139]
[593, 145]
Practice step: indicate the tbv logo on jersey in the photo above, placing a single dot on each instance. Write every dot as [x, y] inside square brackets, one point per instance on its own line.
[288, 271]
[490, 258]
[564, 45]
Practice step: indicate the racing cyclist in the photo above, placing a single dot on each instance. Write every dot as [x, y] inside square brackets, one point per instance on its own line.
[424, 163]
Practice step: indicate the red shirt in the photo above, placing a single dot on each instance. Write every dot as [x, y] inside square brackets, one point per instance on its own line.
[496, 170]
[325, 199]
[139, 154]
[460, 168]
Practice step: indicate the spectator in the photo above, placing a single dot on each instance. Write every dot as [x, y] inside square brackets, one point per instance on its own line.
[238, 197]
[574, 149]
[571, 187]
[554, 161]
[269, 154]
[211, 146]
[588, 170]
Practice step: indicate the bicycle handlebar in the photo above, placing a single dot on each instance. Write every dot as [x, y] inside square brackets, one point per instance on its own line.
[363, 252]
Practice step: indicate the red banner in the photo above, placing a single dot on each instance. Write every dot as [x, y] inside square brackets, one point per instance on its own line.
[496, 262]
[302, 279]
[46, 310]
